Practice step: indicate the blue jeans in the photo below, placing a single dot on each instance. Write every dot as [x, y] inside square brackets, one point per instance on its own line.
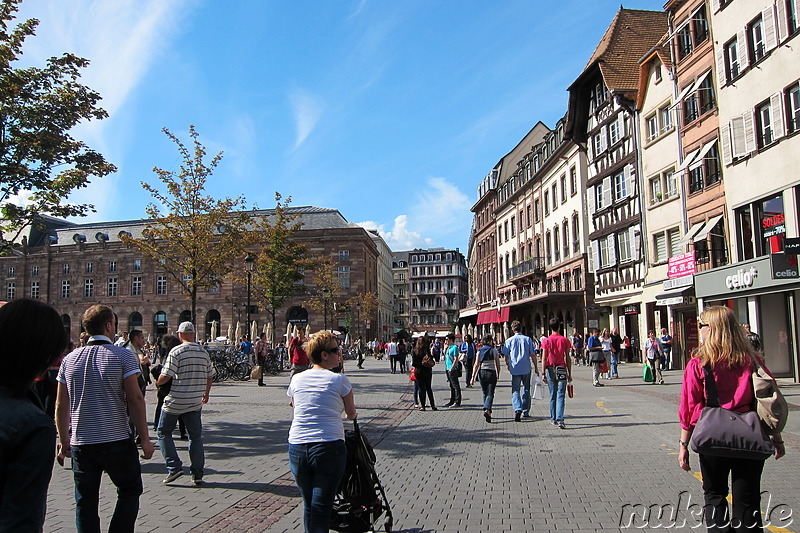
[488, 381]
[194, 427]
[522, 403]
[557, 391]
[120, 460]
[318, 469]
[614, 363]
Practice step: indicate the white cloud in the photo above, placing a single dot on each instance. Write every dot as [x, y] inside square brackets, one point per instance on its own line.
[441, 211]
[307, 110]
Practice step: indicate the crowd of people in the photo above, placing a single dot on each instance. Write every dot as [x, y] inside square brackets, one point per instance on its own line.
[89, 401]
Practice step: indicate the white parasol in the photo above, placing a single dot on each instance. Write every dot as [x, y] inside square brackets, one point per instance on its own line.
[506, 331]
[230, 330]
[237, 334]
[214, 329]
[347, 339]
[268, 331]
[457, 331]
[288, 332]
[253, 330]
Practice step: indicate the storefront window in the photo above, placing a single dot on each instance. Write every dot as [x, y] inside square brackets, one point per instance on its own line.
[773, 225]
[745, 222]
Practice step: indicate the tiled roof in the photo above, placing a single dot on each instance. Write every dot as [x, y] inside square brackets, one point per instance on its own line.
[630, 36]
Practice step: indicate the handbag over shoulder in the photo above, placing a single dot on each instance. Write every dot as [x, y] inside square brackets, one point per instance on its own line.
[725, 433]
[771, 406]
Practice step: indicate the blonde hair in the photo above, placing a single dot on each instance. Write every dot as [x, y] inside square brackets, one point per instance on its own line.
[605, 333]
[725, 342]
[318, 343]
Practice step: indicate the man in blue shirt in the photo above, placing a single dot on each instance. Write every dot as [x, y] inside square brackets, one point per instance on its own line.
[520, 352]
[666, 345]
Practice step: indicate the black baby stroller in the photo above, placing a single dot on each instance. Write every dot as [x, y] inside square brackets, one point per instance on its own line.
[360, 500]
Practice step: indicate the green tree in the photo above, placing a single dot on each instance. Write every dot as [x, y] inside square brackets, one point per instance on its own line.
[39, 159]
[281, 259]
[327, 289]
[195, 237]
[364, 304]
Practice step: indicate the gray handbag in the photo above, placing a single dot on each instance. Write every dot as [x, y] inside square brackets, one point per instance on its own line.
[725, 433]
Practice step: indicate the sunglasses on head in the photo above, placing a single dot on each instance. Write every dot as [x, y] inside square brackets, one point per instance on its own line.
[701, 325]
[332, 350]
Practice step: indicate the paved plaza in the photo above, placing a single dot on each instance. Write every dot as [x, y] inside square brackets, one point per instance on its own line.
[450, 470]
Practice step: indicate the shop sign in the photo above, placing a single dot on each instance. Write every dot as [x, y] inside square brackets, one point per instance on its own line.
[783, 266]
[592, 309]
[676, 300]
[683, 281]
[632, 309]
[773, 225]
[742, 279]
[681, 265]
[791, 246]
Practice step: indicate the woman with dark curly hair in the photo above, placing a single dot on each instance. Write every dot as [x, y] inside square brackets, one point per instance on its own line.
[423, 374]
[317, 453]
[33, 338]
[729, 356]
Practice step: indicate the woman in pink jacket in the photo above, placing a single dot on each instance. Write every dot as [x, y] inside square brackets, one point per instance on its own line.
[729, 354]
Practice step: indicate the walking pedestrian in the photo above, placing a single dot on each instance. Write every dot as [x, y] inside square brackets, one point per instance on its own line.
[452, 356]
[33, 340]
[596, 357]
[262, 350]
[520, 352]
[653, 350]
[189, 368]
[468, 356]
[97, 390]
[616, 353]
[402, 354]
[487, 370]
[297, 354]
[605, 340]
[577, 347]
[753, 337]
[728, 354]
[168, 342]
[391, 353]
[436, 350]
[556, 370]
[423, 374]
[666, 346]
[317, 452]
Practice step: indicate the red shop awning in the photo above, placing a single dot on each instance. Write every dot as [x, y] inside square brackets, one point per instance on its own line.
[492, 316]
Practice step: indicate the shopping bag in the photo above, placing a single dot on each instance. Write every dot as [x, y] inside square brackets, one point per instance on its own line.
[647, 374]
[570, 390]
[412, 374]
[604, 367]
[256, 372]
[538, 387]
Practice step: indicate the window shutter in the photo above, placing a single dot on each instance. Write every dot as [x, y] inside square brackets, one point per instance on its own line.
[635, 243]
[714, 6]
[603, 139]
[722, 75]
[594, 257]
[783, 26]
[621, 119]
[749, 132]
[725, 142]
[612, 250]
[590, 202]
[768, 16]
[741, 48]
[776, 107]
[738, 137]
[630, 178]
[607, 191]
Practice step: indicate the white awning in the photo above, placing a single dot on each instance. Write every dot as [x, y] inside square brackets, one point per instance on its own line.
[703, 233]
[703, 153]
[686, 162]
[691, 233]
[691, 89]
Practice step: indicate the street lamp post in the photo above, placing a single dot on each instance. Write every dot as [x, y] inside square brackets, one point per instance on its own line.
[358, 319]
[249, 265]
[325, 306]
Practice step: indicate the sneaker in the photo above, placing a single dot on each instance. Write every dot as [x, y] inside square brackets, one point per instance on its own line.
[518, 416]
[434, 408]
[661, 382]
[600, 384]
[554, 422]
[526, 415]
[561, 424]
[172, 476]
[487, 416]
[197, 480]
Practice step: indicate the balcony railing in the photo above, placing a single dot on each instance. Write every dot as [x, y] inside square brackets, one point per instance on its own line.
[529, 266]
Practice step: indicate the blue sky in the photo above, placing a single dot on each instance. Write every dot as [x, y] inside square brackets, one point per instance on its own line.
[391, 112]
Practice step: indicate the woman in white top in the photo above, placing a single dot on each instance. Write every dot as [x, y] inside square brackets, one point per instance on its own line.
[317, 452]
[605, 341]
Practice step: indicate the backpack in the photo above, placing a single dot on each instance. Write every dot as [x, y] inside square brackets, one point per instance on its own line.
[437, 349]
[401, 349]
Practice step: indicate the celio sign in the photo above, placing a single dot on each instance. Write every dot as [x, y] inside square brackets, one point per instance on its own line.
[742, 279]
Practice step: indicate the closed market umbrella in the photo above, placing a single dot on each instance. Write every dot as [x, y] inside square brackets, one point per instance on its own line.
[506, 331]
[253, 330]
[230, 330]
[268, 331]
[457, 331]
[214, 328]
[237, 335]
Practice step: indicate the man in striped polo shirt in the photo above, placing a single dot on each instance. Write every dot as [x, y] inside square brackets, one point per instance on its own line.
[189, 367]
[97, 390]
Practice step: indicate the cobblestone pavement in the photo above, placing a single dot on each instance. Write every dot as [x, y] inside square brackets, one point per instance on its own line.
[450, 470]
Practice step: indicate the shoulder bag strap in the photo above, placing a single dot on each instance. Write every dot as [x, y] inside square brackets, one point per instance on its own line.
[712, 396]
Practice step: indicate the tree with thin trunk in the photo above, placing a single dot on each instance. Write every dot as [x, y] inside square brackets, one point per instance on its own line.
[41, 163]
[195, 237]
[281, 260]
[365, 305]
[327, 289]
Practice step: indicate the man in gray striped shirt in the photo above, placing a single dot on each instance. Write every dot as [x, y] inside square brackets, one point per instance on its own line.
[190, 369]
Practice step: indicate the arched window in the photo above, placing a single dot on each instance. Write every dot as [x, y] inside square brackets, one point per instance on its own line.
[185, 316]
[134, 321]
[211, 317]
